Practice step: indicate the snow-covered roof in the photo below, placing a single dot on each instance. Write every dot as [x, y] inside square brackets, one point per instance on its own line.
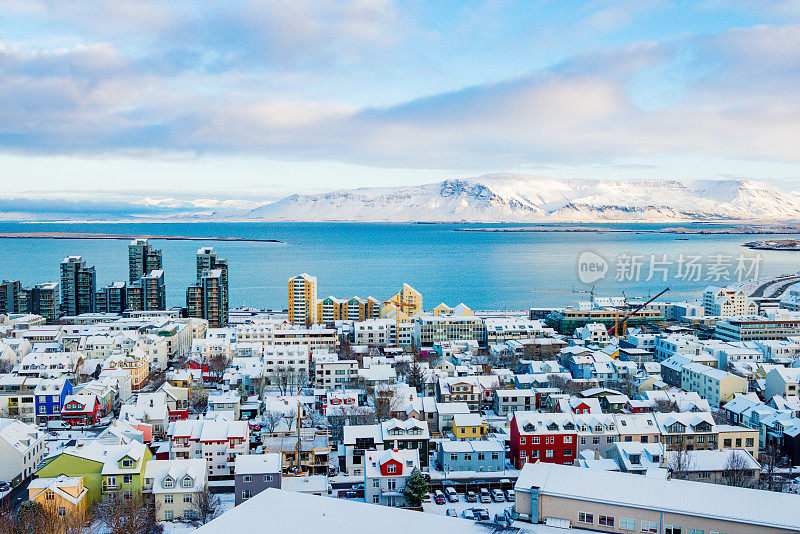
[749, 506]
[176, 470]
[248, 464]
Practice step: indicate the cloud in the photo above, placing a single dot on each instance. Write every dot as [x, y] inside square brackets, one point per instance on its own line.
[101, 99]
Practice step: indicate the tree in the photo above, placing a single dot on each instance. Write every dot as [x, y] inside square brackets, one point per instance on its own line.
[416, 377]
[680, 462]
[772, 460]
[198, 399]
[737, 471]
[290, 416]
[118, 514]
[271, 420]
[416, 488]
[217, 365]
[665, 406]
[205, 506]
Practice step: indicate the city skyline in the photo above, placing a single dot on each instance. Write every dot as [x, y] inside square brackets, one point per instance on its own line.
[314, 96]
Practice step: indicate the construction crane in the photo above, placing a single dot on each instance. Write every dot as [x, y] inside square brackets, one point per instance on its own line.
[613, 329]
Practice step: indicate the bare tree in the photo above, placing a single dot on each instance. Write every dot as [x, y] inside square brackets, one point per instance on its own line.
[680, 462]
[271, 420]
[198, 399]
[120, 515]
[737, 471]
[217, 365]
[205, 506]
[772, 460]
[386, 402]
[665, 406]
[415, 377]
[290, 417]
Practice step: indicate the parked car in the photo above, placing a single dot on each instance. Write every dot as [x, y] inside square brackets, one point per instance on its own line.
[485, 496]
[451, 494]
[501, 519]
[438, 497]
[451, 512]
[4, 486]
[481, 514]
[510, 495]
[467, 514]
[497, 495]
[426, 497]
[471, 496]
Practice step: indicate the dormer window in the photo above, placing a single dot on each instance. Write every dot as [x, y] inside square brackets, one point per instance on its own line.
[126, 463]
[391, 468]
[168, 482]
[187, 482]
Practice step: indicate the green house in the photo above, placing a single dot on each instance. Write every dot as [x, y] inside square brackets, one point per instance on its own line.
[104, 468]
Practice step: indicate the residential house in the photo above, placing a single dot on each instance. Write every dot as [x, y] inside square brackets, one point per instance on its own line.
[471, 455]
[469, 426]
[254, 473]
[689, 431]
[738, 437]
[175, 485]
[385, 474]
[713, 465]
[50, 394]
[219, 442]
[81, 409]
[543, 437]
[637, 428]
[21, 449]
[63, 495]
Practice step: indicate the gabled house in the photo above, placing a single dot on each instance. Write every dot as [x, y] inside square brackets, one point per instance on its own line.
[545, 437]
[50, 395]
[385, 474]
[64, 496]
[81, 409]
[21, 449]
[174, 485]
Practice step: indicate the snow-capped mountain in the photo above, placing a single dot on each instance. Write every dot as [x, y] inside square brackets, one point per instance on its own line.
[521, 198]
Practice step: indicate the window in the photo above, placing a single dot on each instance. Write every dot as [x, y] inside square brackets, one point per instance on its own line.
[186, 482]
[126, 479]
[749, 442]
[248, 478]
[187, 498]
[670, 529]
[127, 462]
[696, 531]
[522, 441]
[246, 494]
[606, 520]
[62, 511]
[627, 524]
[49, 496]
[567, 439]
[376, 499]
[583, 517]
[267, 478]
[548, 453]
[168, 499]
[169, 514]
[650, 526]
[534, 454]
[168, 483]
[567, 452]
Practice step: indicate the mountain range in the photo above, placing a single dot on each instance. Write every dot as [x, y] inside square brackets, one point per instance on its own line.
[529, 199]
[508, 198]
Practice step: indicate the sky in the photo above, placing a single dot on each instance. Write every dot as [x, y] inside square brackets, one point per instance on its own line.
[248, 101]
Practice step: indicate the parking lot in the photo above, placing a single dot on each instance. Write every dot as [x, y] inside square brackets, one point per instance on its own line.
[441, 509]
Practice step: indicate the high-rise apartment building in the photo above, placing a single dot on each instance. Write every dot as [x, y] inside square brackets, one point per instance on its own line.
[148, 293]
[142, 259]
[10, 291]
[77, 286]
[111, 298]
[208, 297]
[302, 292]
[43, 299]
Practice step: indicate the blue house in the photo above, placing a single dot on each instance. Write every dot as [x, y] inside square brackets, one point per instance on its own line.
[471, 455]
[49, 397]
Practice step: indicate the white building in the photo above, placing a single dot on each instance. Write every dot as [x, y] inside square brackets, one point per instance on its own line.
[174, 485]
[218, 442]
[722, 302]
[21, 449]
[385, 474]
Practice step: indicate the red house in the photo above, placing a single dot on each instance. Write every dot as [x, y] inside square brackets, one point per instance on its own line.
[543, 437]
[82, 409]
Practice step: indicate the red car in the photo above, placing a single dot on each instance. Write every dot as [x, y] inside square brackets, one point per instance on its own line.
[438, 497]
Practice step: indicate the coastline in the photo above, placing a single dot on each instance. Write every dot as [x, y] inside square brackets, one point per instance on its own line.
[125, 237]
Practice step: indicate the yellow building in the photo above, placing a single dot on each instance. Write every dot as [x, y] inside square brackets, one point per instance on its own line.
[469, 426]
[329, 310]
[738, 437]
[390, 311]
[66, 496]
[408, 300]
[135, 363]
[302, 293]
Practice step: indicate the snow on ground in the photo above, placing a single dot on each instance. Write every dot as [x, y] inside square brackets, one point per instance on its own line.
[177, 527]
[441, 509]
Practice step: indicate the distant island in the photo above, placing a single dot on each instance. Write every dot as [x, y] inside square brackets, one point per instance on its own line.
[774, 244]
[87, 235]
[675, 230]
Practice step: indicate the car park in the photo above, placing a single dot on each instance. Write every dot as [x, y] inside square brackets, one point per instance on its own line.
[451, 494]
[497, 495]
[485, 496]
[471, 496]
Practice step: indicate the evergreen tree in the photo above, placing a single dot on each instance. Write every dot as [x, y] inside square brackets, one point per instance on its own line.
[416, 488]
